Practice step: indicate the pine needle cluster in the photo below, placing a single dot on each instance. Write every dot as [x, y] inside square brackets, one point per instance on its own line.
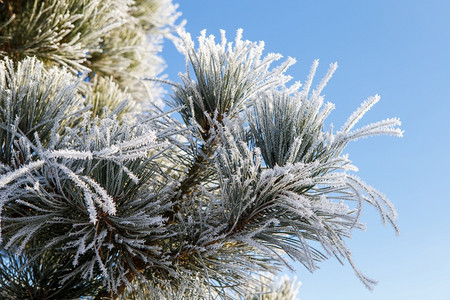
[106, 193]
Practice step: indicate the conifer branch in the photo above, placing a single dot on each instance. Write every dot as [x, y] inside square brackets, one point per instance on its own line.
[104, 194]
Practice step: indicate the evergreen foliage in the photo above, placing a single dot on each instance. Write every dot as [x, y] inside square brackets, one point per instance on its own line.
[105, 193]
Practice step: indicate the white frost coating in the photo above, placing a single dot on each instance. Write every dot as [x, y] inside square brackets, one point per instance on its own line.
[385, 127]
[325, 79]
[88, 197]
[360, 112]
[130, 174]
[222, 70]
[69, 153]
[8, 177]
[107, 204]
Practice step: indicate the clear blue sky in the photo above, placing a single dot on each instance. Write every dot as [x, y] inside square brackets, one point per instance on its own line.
[399, 49]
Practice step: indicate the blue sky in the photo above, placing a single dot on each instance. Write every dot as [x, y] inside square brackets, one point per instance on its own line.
[399, 49]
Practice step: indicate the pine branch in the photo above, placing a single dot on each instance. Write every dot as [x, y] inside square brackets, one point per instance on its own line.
[117, 197]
